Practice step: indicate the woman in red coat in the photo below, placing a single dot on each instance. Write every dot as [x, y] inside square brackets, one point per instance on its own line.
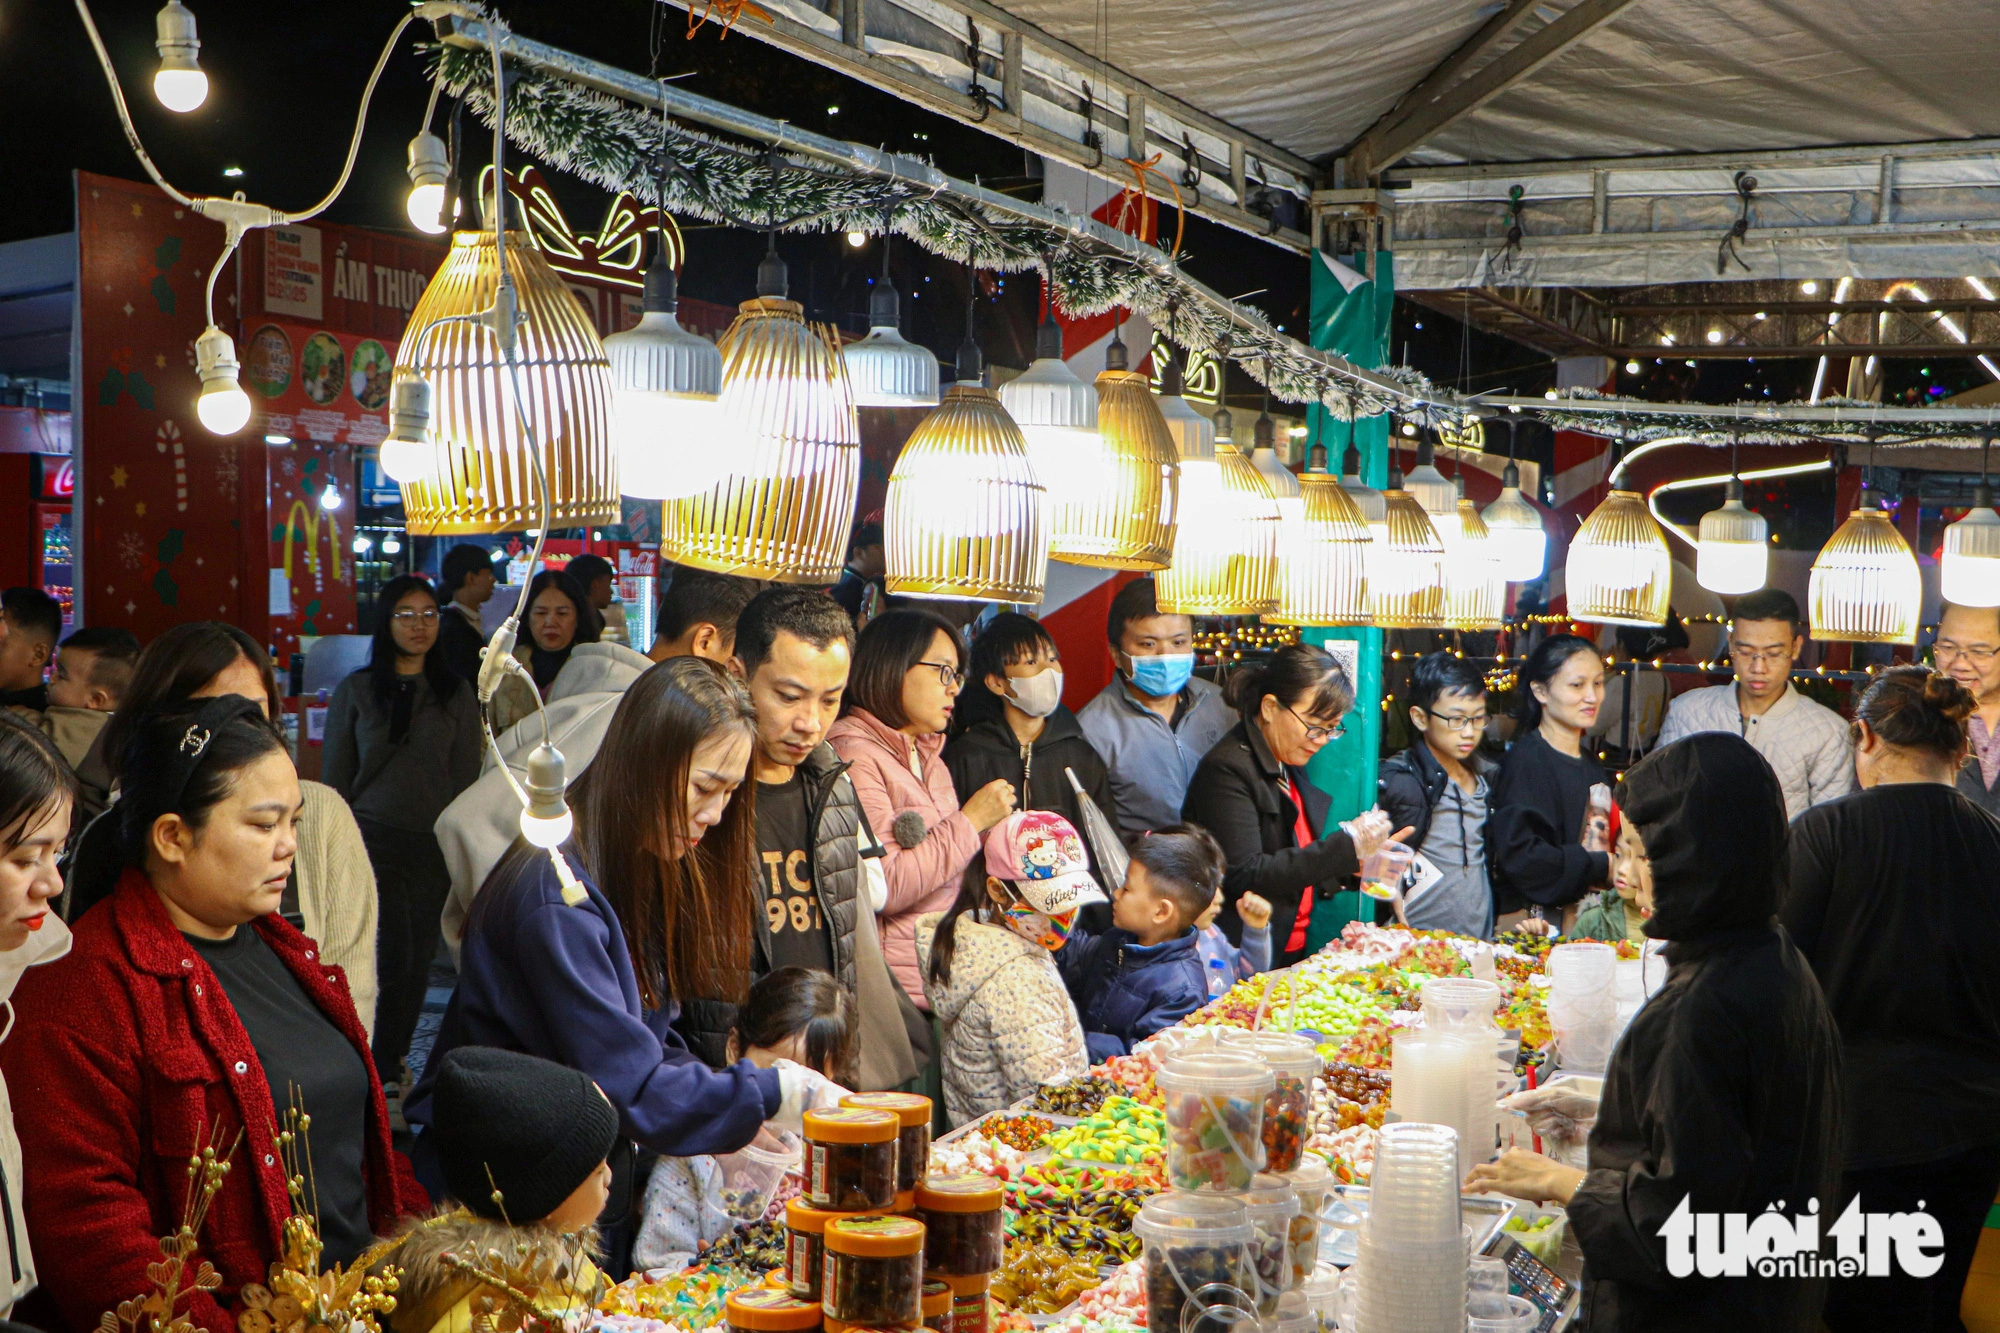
[188, 1013]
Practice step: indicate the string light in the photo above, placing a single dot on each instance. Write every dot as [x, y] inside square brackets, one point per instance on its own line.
[179, 84]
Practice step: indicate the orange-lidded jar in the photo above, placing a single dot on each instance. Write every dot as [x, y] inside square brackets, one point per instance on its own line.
[760, 1309]
[874, 1271]
[968, 1302]
[805, 1247]
[913, 1143]
[851, 1159]
[961, 1216]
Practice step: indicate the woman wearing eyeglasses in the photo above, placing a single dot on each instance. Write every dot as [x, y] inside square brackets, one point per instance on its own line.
[1251, 792]
[908, 669]
[402, 739]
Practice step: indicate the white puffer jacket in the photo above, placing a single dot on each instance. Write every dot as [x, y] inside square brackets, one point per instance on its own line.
[1008, 1022]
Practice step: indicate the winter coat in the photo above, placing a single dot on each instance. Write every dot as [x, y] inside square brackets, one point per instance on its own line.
[1724, 1092]
[1806, 743]
[898, 775]
[407, 783]
[433, 1296]
[1413, 782]
[17, 1278]
[1009, 1026]
[541, 976]
[1534, 827]
[115, 1093]
[989, 750]
[335, 884]
[477, 828]
[1127, 991]
[838, 872]
[1604, 917]
[1235, 796]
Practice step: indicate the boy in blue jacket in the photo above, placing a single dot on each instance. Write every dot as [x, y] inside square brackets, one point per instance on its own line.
[1146, 972]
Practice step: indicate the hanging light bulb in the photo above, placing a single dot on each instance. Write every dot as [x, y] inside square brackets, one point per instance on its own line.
[223, 407]
[407, 452]
[1733, 550]
[1515, 526]
[1865, 586]
[887, 371]
[1057, 414]
[664, 385]
[1970, 574]
[546, 820]
[1278, 478]
[1620, 571]
[179, 83]
[1226, 544]
[392, 545]
[1432, 489]
[481, 482]
[786, 507]
[329, 499]
[427, 170]
[1322, 555]
[1475, 587]
[1118, 512]
[1406, 588]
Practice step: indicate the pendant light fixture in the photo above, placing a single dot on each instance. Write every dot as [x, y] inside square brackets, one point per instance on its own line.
[1620, 571]
[1226, 547]
[1323, 553]
[1971, 561]
[966, 516]
[1865, 586]
[786, 507]
[1126, 520]
[1733, 553]
[179, 83]
[665, 382]
[480, 482]
[1515, 526]
[1057, 414]
[1366, 499]
[1431, 488]
[886, 370]
[1278, 478]
[1475, 587]
[1406, 568]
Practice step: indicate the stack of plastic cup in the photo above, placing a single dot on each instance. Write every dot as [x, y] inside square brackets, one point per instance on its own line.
[1466, 1006]
[1583, 1005]
[1413, 1247]
[1432, 1078]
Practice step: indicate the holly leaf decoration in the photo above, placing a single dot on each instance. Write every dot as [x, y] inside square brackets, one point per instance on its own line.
[167, 253]
[169, 591]
[110, 386]
[141, 391]
[163, 294]
[170, 545]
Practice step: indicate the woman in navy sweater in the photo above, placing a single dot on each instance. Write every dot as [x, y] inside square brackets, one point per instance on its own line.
[592, 974]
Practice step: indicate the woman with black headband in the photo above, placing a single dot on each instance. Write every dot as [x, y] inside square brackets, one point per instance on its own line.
[190, 1014]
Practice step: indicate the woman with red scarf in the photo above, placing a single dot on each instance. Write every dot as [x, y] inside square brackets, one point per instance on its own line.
[1251, 792]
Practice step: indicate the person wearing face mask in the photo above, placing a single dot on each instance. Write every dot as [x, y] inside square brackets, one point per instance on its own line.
[1011, 724]
[989, 966]
[1156, 721]
[1252, 793]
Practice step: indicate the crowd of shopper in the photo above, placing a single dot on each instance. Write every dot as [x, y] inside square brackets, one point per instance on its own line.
[809, 855]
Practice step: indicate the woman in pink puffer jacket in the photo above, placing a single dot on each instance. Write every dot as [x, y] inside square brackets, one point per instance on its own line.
[900, 695]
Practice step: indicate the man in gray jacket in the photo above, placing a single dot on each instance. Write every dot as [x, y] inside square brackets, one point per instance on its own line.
[1805, 743]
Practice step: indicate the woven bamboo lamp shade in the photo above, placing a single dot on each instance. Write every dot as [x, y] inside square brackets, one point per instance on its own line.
[1323, 559]
[1620, 571]
[966, 516]
[483, 480]
[785, 509]
[1226, 550]
[1475, 585]
[1406, 588]
[1125, 519]
[1865, 587]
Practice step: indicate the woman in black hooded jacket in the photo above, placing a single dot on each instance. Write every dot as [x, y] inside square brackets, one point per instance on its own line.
[1724, 1093]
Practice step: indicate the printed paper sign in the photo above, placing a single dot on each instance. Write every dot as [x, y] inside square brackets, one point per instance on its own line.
[292, 275]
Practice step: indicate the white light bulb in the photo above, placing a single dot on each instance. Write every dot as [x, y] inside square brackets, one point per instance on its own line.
[180, 90]
[391, 546]
[426, 208]
[179, 83]
[406, 461]
[547, 832]
[223, 408]
[857, 239]
[362, 545]
[329, 498]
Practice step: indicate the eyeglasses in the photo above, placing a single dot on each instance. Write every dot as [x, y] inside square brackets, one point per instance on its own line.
[1317, 733]
[1946, 650]
[1774, 656]
[948, 675]
[428, 616]
[1469, 722]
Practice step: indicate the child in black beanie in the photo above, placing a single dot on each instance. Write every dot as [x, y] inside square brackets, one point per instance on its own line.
[524, 1145]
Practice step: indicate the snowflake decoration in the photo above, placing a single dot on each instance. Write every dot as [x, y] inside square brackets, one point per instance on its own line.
[131, 551]
[227, 474]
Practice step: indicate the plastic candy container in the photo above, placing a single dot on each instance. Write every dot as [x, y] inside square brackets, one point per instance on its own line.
[1272, 1207]
[961, 1217]
[1215, 1120]
[761, 1309]
[874, 1271]
[1312, 1182]
[969, 1310]
[913, 1142]
[1294, 1062]
[1197, 1256]
[751, 1175]
[1322, 1293]
[805, 1248]
[937, 1307]
[851, 1159]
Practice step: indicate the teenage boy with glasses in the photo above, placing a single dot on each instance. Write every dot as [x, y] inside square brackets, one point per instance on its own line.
[1968, 650]
[1805, 743]
[1438, 788]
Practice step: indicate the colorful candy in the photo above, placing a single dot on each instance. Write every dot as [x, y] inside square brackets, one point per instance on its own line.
[1041, 1279]
[1021, 1132]
[1078, 1096]
[1124, 1131]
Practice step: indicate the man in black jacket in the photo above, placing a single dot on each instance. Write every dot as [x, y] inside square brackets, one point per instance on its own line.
[1439, 789]
[466, 583]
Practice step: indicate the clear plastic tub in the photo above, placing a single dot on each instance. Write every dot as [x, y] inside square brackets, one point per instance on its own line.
[1293, 1315]
[1294, 1063]
[962, 1225]
[1322, 1293]
[1522, 1317]
[1215, 1120]
[1312, 1182]
[1272, 1207]
[1196, 1257]
[751, 1175]
[761, 1309]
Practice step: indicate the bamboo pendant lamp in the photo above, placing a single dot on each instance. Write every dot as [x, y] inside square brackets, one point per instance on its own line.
[1122, 516]
[1475, 586]
[1323, 559]
[1620, 571]
[1406, 588]
[1865, 587]
[1226, 545]
[483, 481]
[966, 516]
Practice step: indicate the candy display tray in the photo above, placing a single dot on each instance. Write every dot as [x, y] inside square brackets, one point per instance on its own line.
[971, 1127]
[1486, 1213]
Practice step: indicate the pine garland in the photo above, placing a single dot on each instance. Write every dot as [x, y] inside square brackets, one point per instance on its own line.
[1756, 425]
[616, 145]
